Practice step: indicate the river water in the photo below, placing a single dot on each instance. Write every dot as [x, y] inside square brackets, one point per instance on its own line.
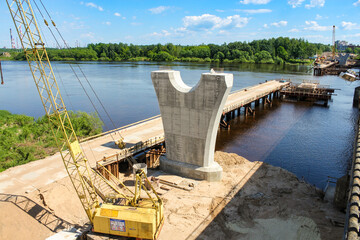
[309, 140]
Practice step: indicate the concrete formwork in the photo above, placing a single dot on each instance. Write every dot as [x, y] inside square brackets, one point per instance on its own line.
[191, 118]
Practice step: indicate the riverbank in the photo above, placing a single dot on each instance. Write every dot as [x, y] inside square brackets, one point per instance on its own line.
[176, 60]
[254, 200]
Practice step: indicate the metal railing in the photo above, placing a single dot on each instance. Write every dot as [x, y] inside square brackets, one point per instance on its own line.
[118, 129]
[127, 152]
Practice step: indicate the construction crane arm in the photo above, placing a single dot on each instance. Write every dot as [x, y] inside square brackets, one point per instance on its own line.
[109, 218]
[73, 157]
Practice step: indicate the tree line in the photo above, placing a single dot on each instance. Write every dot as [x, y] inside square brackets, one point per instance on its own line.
[274, 50]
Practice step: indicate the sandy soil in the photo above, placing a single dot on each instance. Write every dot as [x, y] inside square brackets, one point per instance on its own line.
[253, 201]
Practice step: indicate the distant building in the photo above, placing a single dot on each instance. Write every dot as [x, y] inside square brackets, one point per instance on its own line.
[6, 54]
[341, 45]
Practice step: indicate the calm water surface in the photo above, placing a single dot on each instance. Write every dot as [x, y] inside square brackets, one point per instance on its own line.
[311, 141]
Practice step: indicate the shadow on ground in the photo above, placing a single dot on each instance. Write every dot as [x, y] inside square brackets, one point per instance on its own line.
[39, 213]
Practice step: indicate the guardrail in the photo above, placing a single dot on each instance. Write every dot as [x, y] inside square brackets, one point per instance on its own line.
[118, 129]
[130, 151]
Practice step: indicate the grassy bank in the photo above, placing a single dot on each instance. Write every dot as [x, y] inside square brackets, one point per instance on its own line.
[24, 139]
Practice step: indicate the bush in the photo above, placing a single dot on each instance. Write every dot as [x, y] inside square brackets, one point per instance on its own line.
[278, 60]
[263, 57]
[163, 57]
[300, 61]
[22, 139]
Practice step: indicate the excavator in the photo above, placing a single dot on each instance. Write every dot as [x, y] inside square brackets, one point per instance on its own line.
[131, 215]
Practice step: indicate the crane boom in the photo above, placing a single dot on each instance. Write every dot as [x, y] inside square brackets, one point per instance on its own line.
[119, 215]
[73, 157]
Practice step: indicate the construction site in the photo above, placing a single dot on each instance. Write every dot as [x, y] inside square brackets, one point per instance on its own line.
[333, 63]
[161, 178]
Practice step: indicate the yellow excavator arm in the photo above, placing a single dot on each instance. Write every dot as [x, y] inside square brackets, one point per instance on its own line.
[73, 157]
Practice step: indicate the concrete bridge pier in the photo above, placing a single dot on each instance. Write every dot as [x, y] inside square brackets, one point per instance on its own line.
[191, 118]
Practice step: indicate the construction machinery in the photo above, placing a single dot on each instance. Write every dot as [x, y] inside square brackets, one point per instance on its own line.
[123, 215]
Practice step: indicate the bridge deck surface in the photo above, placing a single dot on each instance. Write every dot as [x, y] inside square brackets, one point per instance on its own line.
[42, 172]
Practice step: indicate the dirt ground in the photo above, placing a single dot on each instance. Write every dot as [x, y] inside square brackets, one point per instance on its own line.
[254, 200]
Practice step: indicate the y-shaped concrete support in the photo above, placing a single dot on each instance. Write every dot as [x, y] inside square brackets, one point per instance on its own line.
[191, 118]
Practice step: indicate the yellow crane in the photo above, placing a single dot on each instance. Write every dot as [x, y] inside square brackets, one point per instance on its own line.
[130, 216]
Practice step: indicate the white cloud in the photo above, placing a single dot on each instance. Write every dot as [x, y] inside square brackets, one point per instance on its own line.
[163, 33]
[93, 5]
[136, 23]
[318, 37]
[319, 17]
[133, 17]
[315, 3]
[159, 9]
[314, 26]
[279, 24]
[107, 23]
[255, 1]
[356, 3]
[220, 10]
[295, 3]
[349, 25]
[294, 30]
[254, 11]
[266, 26]
[223, 32]
[117, 14]
[89, 35]
[210, 22]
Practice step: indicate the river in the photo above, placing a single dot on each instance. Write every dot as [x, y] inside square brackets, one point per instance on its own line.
[309, 140]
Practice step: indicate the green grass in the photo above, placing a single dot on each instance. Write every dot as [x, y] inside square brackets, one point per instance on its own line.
[24, 139]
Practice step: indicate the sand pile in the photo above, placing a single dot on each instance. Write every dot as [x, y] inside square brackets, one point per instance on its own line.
[253, 201]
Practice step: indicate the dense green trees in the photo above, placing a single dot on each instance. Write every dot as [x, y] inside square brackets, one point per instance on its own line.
[271, 50]
[24, 139]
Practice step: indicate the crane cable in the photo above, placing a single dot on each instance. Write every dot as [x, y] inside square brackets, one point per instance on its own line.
[76, 75]
[91, 150]
[43, 35]
[66, 45]
[2, 77]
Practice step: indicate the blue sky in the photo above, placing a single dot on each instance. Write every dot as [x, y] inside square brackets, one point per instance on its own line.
[194, 22]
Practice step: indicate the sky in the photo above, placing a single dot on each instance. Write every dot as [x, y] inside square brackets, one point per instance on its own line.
[193, 22]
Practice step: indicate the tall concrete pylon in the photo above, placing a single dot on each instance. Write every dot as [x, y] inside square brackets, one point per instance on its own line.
[191, 119]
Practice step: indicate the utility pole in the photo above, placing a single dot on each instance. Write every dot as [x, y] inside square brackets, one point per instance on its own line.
[333, 43]
[12, 40]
